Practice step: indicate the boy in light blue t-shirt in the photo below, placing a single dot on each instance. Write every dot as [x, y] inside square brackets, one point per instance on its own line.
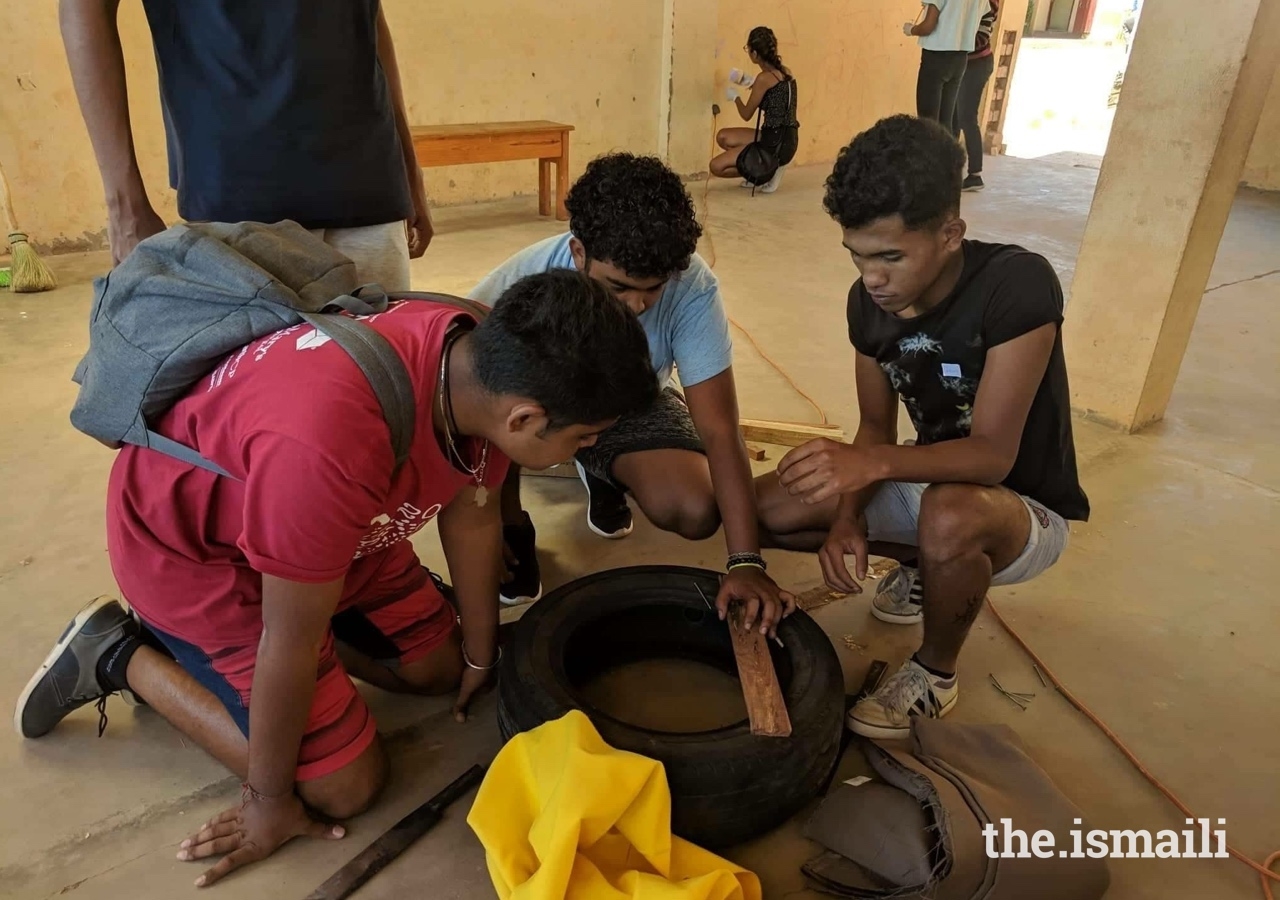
[632, 227]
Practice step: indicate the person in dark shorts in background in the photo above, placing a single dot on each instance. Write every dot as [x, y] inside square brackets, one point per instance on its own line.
[283, 110]
[947, 32]
[773, 92]
[632, 228]
[968, 334]
[976, 74]
[262, 594]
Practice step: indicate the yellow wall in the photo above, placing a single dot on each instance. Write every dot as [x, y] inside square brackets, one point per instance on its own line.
[44, 148]
[853, 65]
[639, 75]
[1262, 168]
[629, 74]
[592, 63]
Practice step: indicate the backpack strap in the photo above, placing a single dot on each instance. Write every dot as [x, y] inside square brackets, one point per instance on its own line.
[379, 362]
[183, 453]
[466, 304]
[384, 369]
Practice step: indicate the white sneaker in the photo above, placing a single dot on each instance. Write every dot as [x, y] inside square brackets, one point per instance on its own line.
[911, 691]
[899, 597]
[772, 184]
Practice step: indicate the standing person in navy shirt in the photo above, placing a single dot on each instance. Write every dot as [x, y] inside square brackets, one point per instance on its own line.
[283, 110]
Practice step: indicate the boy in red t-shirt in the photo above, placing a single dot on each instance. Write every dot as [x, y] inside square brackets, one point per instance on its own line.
[264, 593]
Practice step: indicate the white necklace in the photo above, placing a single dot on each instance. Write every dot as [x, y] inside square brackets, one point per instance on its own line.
[446, 413]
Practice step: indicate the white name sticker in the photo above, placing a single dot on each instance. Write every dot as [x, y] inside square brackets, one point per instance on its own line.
[950, 370]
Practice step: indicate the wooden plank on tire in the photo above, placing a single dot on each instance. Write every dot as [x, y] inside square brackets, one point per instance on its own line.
[766, 707]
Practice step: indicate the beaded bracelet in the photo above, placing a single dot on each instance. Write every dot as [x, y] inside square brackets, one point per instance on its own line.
[755, 560]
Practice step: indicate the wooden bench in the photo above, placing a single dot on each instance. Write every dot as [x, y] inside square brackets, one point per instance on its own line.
[488, 142]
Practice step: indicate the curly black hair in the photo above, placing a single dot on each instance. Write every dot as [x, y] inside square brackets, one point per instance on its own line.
[634, 213]
[904, 165]
[565, 341]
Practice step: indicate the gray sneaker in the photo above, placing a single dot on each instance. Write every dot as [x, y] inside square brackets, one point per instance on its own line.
[899, 598]
[68, 677]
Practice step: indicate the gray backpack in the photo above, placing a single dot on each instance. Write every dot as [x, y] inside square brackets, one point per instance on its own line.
[187, 297]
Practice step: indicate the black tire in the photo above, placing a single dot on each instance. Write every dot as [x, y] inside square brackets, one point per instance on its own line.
[727, 785]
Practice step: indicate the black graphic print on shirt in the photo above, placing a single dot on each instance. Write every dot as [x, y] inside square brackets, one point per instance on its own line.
[935, 363]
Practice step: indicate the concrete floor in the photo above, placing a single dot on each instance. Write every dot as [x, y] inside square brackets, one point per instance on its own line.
[1154, 618]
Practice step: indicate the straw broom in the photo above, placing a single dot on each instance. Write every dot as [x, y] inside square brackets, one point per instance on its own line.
[29, 273]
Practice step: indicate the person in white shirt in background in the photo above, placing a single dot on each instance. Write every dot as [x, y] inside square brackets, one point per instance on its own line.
[947, 32]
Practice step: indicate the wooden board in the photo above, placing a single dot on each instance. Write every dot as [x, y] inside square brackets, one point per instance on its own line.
[816, 598]
[564, 470]
[788, 434]
[479, 128]
[492, 142]
[766, 707]
[467, 149]
[755, 451]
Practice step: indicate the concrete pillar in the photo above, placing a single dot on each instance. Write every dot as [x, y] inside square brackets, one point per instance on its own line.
[1193, 92]
[687, 84]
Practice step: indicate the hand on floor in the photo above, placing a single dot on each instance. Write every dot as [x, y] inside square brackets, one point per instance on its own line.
[252, 831]
[474, 681]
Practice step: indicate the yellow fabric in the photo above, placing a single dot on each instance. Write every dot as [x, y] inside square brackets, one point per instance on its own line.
[564, 816]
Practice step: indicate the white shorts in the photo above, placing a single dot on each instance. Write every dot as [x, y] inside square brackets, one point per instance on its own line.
[380, 252]
[893, 516]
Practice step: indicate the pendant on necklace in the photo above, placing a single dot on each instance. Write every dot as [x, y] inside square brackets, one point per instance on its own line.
[482, 495]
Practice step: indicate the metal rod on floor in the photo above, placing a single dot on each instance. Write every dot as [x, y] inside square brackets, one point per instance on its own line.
[395, 840]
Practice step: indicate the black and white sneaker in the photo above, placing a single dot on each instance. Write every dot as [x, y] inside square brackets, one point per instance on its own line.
[525, 585]
[899, 597]
[972, 183]
[608, 514]
[68, 677]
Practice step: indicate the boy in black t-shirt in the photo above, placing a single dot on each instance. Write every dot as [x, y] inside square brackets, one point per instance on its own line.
[968, 334]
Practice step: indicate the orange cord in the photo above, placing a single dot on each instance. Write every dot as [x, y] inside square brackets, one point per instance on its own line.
[711, 263]
[1264, 869]
[781, 371]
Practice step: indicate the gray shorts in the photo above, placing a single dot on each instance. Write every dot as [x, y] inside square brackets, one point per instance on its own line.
[894, 513]
[666, 425]
[380, 252]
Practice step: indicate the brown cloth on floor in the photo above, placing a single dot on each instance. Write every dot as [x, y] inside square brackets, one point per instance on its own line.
[960, 777]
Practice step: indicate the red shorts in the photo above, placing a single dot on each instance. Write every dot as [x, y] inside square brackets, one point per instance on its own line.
[397, 616]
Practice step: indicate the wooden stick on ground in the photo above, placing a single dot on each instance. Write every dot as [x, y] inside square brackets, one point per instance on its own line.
[755, 451]
[766, 707]
[788, 434]
[564, 470]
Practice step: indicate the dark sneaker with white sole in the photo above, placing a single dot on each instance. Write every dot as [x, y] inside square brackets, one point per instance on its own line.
[972, 183]
[68, 677]
[525, 585]
[608, 514]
